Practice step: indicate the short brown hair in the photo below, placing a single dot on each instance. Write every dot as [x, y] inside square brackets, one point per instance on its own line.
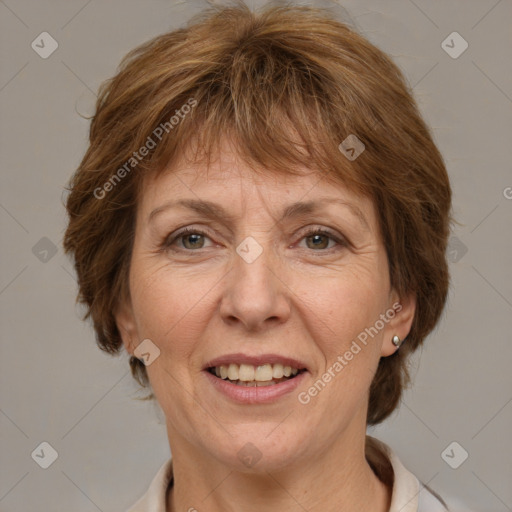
[254, 76]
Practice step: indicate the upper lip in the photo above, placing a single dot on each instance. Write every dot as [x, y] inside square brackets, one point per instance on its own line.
[261, 359]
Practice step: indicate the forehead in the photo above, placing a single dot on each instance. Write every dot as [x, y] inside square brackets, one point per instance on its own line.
[228, 170]
[231, 186]
[228, 191]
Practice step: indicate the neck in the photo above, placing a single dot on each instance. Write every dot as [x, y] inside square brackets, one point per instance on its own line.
[339, 479]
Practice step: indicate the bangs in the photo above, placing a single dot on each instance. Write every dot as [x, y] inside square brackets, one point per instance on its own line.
[271, 104]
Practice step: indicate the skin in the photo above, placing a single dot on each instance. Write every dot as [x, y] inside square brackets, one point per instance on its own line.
[304, 297]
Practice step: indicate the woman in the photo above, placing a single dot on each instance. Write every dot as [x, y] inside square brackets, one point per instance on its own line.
[261, 220]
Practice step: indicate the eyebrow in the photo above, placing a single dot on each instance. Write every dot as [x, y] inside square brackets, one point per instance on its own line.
[216, 211]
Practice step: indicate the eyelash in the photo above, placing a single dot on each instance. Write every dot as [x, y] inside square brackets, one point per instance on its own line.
[168, 242]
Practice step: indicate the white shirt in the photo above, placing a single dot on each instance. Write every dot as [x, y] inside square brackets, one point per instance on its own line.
[408, 494]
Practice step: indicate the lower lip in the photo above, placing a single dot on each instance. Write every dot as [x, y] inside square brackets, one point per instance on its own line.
[255, 394]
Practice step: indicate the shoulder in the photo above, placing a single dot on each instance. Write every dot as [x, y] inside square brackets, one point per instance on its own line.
[154, 498]
[408, 493]
[429, 501]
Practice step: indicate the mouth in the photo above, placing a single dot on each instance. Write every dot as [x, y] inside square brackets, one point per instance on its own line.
[262, 375]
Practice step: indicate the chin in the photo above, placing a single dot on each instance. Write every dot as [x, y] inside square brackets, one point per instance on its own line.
[255, 451]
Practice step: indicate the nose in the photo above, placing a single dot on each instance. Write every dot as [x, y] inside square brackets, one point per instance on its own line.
[255, 295]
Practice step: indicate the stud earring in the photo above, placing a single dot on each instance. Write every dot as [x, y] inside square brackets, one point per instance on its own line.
[396, 341]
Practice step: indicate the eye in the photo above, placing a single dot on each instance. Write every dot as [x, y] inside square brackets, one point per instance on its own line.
[318, 239]
[191, 239]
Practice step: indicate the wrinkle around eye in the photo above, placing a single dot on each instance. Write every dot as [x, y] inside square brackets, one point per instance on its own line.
[161, 237]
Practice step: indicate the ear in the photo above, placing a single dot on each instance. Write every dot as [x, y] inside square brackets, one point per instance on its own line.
[125, 322]
[400, 323]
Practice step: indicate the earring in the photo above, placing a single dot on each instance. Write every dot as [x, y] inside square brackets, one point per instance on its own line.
[396, 341]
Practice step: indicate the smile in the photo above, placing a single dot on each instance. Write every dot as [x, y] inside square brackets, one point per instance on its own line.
[249, 375]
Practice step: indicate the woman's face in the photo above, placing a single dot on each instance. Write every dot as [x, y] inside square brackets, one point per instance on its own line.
[247, 285]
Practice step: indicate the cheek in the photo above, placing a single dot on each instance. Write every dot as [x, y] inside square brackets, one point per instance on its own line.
[339, 308]
[338, 315]
[171, 308]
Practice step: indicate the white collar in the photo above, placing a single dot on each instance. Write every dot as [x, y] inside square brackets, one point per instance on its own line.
[408, 495]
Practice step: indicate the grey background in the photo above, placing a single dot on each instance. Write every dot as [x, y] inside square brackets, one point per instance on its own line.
[58, 387]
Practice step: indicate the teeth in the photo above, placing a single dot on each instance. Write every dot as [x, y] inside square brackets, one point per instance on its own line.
[255, 384]
[277, 372]
[263, 373]
[233, 372]
[247, 374]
